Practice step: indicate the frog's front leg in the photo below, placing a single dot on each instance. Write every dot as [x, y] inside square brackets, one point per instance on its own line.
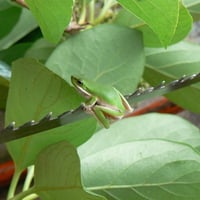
[101, 118]
[104, 113]
[96, 110]
[89, 104]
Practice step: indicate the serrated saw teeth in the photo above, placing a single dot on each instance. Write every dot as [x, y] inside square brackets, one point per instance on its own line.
[164, 87]
[161, 86]
[65, 113]
[175, 82]
[193, 76]
[28, 124]
[11, 126]
[46, 118]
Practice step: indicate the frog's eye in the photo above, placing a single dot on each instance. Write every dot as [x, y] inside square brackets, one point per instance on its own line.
[79, 82]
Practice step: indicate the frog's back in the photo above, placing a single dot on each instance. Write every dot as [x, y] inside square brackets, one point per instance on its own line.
[106, 94]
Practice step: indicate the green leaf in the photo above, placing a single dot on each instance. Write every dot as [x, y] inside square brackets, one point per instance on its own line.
[150, 11]
[8, 18]
[3, 92]
[108, 54]
[24, 25]
[14, 52]
[34, 92]
[5, 74]
[53, 17]
[40, 50]
[153, 156]
[62, 178]
[183, 27]
[151, 39]
[173, 63]
[194, 7]
[4, 5]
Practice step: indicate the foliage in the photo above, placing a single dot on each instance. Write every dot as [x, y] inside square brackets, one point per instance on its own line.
[117, 43]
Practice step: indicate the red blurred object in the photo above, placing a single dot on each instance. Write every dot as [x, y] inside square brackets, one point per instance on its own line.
[6, 172]
[162, 105]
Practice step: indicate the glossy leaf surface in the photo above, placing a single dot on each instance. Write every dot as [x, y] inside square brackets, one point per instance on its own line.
[62, 178]
[142, 159]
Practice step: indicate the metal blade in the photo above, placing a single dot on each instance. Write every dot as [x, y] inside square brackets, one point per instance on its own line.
[163, 88]
[48, 122]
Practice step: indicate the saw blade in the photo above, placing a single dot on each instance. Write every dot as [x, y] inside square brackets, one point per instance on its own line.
[162, 89]
[48, 122]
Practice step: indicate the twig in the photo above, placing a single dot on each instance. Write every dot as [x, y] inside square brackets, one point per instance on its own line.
[21, 3]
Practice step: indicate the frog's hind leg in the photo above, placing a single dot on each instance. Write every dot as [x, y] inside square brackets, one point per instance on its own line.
[126, 104]
[101, 117]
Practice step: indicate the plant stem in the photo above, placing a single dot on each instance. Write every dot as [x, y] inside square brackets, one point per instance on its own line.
[26, 195]
[31, 197]
[83, 13]
[29, 178]
[92, 9]
[107, 5]
[13, 185]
